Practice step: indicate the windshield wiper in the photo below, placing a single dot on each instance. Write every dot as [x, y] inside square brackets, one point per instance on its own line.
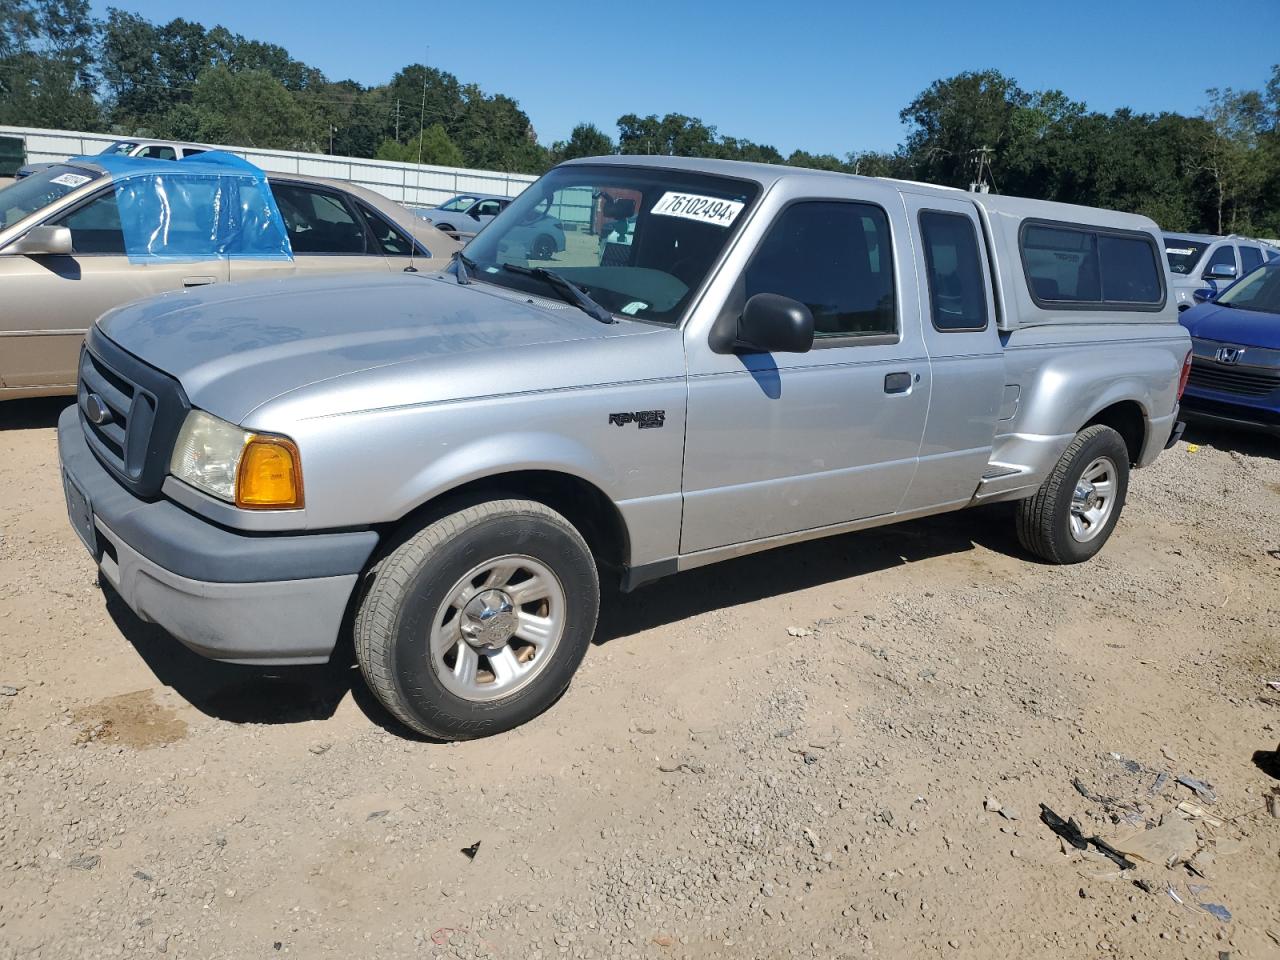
[569, 290]
[463, 266]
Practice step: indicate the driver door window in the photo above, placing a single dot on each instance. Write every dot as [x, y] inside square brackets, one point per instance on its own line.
[1224, 256]
[486, 208]
[835, 258]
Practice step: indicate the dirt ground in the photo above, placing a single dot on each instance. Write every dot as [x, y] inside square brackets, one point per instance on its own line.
[798, 754]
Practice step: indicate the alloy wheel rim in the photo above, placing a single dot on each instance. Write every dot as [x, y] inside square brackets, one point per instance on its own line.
[497, 628]
[1093, 500]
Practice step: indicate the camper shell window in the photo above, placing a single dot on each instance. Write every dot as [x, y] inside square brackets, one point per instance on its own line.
[1073, 266]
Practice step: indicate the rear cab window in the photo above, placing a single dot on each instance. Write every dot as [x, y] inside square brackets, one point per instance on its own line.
[1250, 259]
[957, 289]
[1075, 266]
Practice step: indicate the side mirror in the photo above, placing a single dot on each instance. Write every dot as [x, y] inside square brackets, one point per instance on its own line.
[474, 213]
[1221, 271]
[771, 323]
[1200, 296]
[42, 241]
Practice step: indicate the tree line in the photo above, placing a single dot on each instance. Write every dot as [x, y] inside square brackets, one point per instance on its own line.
[60, 67]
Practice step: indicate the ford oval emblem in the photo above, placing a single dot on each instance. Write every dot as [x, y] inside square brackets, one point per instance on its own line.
[96, 409]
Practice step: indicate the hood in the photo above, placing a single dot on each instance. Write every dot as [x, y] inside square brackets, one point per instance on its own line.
[237, 347]
[1246, 328]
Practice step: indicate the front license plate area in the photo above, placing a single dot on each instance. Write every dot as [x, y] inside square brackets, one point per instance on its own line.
[81, 515]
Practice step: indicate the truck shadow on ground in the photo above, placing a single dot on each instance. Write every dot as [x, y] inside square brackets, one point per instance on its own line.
[274, 695]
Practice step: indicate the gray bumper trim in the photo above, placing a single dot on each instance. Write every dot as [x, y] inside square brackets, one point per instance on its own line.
[283, 622]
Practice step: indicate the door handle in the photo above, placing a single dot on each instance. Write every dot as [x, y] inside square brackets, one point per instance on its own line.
[198, 281]
[897, 382]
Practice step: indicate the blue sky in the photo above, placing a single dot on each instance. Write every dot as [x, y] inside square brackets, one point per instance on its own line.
[822, 76]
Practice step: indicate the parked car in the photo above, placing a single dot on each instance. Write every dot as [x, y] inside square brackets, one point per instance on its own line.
[784, 354]
[146, 149]
[1235, 367]
[463, 215]
[538, 237]
[1204, 262]
[63, 260]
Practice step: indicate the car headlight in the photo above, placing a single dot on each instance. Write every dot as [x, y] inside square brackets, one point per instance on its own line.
[256, 471]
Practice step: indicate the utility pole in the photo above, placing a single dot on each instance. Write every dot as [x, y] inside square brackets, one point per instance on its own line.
[982, 163]
[332, 131]
[397, 119]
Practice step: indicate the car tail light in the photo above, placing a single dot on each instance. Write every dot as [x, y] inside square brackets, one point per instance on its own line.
[1186, 372]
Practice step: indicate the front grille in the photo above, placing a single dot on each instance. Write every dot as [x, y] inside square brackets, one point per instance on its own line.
[1248, 382]
[145, 411]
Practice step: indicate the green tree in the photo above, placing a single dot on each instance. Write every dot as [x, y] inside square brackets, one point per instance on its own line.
[250, 108]
[585, 140]
[433, 146]
[47, 74]
[957, 116]
[675, 135]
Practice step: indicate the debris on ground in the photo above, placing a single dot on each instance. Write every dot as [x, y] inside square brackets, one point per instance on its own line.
[1070, 831]
[686, 766]
[6, 690]
[1202, 790]
[471, 851]
[1218, 910]
[1198, 813]
[1174, 841]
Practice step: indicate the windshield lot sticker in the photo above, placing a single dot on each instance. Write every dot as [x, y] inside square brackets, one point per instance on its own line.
[71, 180]
[690, 206]
[647, 419]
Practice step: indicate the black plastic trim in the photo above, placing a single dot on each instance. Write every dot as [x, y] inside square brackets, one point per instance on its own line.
[168, 407]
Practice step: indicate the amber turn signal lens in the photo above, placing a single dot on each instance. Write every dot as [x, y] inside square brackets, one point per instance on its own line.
[270, 476]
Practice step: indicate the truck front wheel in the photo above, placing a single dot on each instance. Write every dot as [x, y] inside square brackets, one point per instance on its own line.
[476, 624]
[1073, 513]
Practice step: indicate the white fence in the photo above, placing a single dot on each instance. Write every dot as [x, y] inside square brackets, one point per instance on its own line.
[403, 182]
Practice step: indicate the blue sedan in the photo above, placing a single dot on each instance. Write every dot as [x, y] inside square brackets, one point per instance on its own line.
[1235, 367]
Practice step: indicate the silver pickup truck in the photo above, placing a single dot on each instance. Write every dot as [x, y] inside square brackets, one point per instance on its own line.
[723, 358]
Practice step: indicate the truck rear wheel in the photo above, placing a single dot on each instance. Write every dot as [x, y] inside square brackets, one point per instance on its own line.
[1076, 508]
[476, 623]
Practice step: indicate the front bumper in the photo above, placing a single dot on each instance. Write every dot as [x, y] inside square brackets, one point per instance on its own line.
[266, 599]
[1239, 416]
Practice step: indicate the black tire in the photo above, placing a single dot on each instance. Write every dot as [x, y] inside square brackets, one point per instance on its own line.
[409, 586]
[543, 247]
[1044, 520]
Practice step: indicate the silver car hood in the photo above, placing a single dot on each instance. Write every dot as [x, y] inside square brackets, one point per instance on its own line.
[235, 348]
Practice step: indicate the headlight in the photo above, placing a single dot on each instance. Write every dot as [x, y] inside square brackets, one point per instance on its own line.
[252, 470]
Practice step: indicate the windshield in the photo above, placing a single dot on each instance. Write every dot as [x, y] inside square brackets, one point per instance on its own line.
[458, 203]
[639, 241]
[1183, 254]
[24, 197]
[1259, 291]
[119, 147]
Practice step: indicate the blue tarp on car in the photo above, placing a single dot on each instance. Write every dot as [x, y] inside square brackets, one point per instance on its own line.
[212, 206]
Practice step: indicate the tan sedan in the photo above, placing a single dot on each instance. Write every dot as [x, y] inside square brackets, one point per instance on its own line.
[63, 261]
